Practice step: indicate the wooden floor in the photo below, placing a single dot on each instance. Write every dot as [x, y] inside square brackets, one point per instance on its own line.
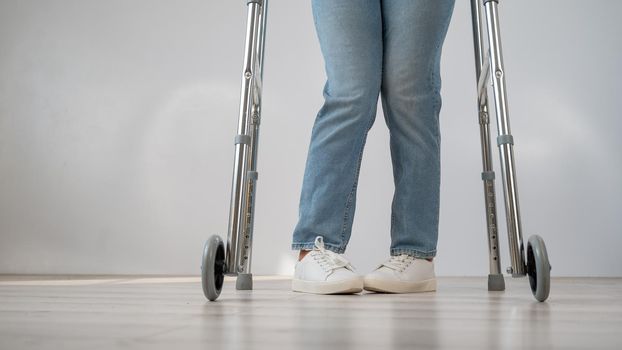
[171, 313]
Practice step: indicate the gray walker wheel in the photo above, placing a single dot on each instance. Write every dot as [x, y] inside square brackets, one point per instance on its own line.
[213, 267]
[538, 268]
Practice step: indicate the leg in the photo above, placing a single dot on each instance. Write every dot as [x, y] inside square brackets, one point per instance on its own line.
[350, 37]
[414, 31]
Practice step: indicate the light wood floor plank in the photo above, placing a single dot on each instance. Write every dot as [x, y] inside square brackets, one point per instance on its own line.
[90, 312]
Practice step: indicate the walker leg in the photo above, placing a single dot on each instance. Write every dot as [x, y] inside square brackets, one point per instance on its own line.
[240, 231]
[505, 141]
[536, 263]
[495, 278]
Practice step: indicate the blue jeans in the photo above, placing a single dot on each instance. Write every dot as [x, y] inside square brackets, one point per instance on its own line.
[390, 48]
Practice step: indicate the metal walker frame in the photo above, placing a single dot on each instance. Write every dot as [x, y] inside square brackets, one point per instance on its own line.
[235, 259]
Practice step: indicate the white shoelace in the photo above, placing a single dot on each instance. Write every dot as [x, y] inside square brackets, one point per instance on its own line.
[327, 259]
[399, 262]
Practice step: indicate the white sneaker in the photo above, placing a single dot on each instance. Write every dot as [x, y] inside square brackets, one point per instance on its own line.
[402, 274]
[324, 272]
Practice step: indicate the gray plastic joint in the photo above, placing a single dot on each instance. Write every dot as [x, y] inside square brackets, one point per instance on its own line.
[253, 175]
[488, 175]
[503, 139]
[245, 139]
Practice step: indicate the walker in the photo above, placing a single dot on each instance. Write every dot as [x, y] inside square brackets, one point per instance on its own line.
[234, 259]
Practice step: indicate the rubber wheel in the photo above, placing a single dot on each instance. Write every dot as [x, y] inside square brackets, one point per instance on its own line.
[538, 268]
[213, 267]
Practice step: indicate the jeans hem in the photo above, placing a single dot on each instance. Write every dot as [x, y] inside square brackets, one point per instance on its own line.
[413, 252]
[310, 246]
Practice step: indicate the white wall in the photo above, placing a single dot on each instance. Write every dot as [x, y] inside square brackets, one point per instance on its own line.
[117, 121]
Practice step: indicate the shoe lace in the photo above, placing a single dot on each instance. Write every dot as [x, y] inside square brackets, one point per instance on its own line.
[327, 259]
[399, 262]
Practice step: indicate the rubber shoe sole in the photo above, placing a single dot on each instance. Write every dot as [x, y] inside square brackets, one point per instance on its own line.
[384, 286]
[349, 286]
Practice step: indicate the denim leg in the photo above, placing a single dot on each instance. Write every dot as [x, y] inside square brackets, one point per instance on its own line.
[414, 31]
[350, 36]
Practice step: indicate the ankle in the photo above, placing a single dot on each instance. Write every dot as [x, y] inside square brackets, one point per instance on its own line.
[302, 254]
